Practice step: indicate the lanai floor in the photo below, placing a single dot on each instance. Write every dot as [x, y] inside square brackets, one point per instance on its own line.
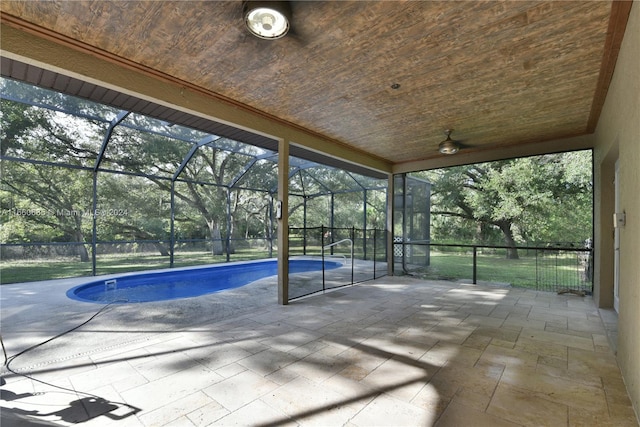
[396, 351]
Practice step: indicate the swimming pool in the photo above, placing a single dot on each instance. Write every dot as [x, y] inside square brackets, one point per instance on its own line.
[185, 283]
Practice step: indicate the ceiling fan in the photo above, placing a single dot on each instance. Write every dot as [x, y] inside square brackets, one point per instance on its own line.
[449, 146]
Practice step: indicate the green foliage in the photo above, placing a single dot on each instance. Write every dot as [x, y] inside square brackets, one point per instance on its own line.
[532, 200]
[54, 155]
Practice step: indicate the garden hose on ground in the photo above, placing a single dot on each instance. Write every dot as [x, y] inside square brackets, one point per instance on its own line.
[8, 360]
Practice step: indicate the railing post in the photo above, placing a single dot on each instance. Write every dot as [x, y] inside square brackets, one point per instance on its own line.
[375, 245]
[353, 236]
[228, 239]
[322, 246]
[536, 269]
[304, 226]
[475, 265]
[172, 244]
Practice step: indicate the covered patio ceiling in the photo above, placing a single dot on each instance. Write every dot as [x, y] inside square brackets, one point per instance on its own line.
[383, 78]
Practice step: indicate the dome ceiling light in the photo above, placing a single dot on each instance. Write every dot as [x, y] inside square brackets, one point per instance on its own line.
[448, 146]
[268, 20]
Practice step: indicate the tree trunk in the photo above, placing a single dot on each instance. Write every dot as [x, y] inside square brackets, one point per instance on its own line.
[81, 249]
[512, 252]
[79, 238]
[162, 249]
[216, 239]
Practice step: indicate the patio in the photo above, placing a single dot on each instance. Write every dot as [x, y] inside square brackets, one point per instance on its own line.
[395, 351]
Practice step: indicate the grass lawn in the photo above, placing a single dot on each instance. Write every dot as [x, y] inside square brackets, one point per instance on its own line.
[30, 271]
[550, 272]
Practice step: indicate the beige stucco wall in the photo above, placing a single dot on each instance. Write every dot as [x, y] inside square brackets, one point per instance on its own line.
[618, 137]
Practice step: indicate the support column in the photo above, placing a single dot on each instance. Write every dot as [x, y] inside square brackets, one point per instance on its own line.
[228, 239]
[364, 223]
[172, 243]
[390, 207]
[283, 222]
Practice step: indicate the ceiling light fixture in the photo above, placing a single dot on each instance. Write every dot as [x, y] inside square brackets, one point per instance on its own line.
[448, 146]
[267, 19]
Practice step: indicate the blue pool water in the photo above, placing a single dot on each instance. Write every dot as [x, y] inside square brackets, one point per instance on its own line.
[185, 283]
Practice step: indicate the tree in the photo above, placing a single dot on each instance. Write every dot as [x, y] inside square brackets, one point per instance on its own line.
[52, 197]
[527, 199]
[54, 155]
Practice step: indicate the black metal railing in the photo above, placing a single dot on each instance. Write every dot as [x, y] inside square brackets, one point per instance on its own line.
[360, 254]
[548, 268]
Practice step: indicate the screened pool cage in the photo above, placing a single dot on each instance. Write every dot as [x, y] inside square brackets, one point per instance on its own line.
[90, 189]
[411, 223]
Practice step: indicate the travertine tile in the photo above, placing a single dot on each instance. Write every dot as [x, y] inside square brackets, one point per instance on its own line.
[494, 354]
[590, 362]
[385, 410]
[458, 415]
[267, 361]
[553, 362]
[532, 302]
[175, 409]
[590, 379]
[398, 378]
[239, 390]
[601, 343]
[502, 311]
[398, 351]
[555, 389]
[220, 355]
[562, 312]
[477, 341]
[478, 320]
[255, 413]
[480, 309]
[472, 386]
[558, 338]
[394, 346]
[290, 339]
[121, 373]
[354, 391]
[444, 353]
[501, 333]
[526, 409]
[308, 348]
[166, 365]
[590, 325]
[568, 331]
[354, 372]
[367, 361]
[309, 403]
[158, 393]
[230, 370]
[517, 322]
[208, 414]
[451, 333]
[547, 349]
[432, 399]
[317, 366]
[179, 422]
[620, 417]
[558, 320]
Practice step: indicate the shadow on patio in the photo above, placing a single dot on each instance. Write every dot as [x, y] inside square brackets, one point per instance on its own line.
[397, 351]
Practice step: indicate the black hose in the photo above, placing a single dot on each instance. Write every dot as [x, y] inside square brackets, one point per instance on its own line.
[8, 360]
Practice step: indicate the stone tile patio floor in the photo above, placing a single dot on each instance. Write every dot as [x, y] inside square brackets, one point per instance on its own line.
[397, 351]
